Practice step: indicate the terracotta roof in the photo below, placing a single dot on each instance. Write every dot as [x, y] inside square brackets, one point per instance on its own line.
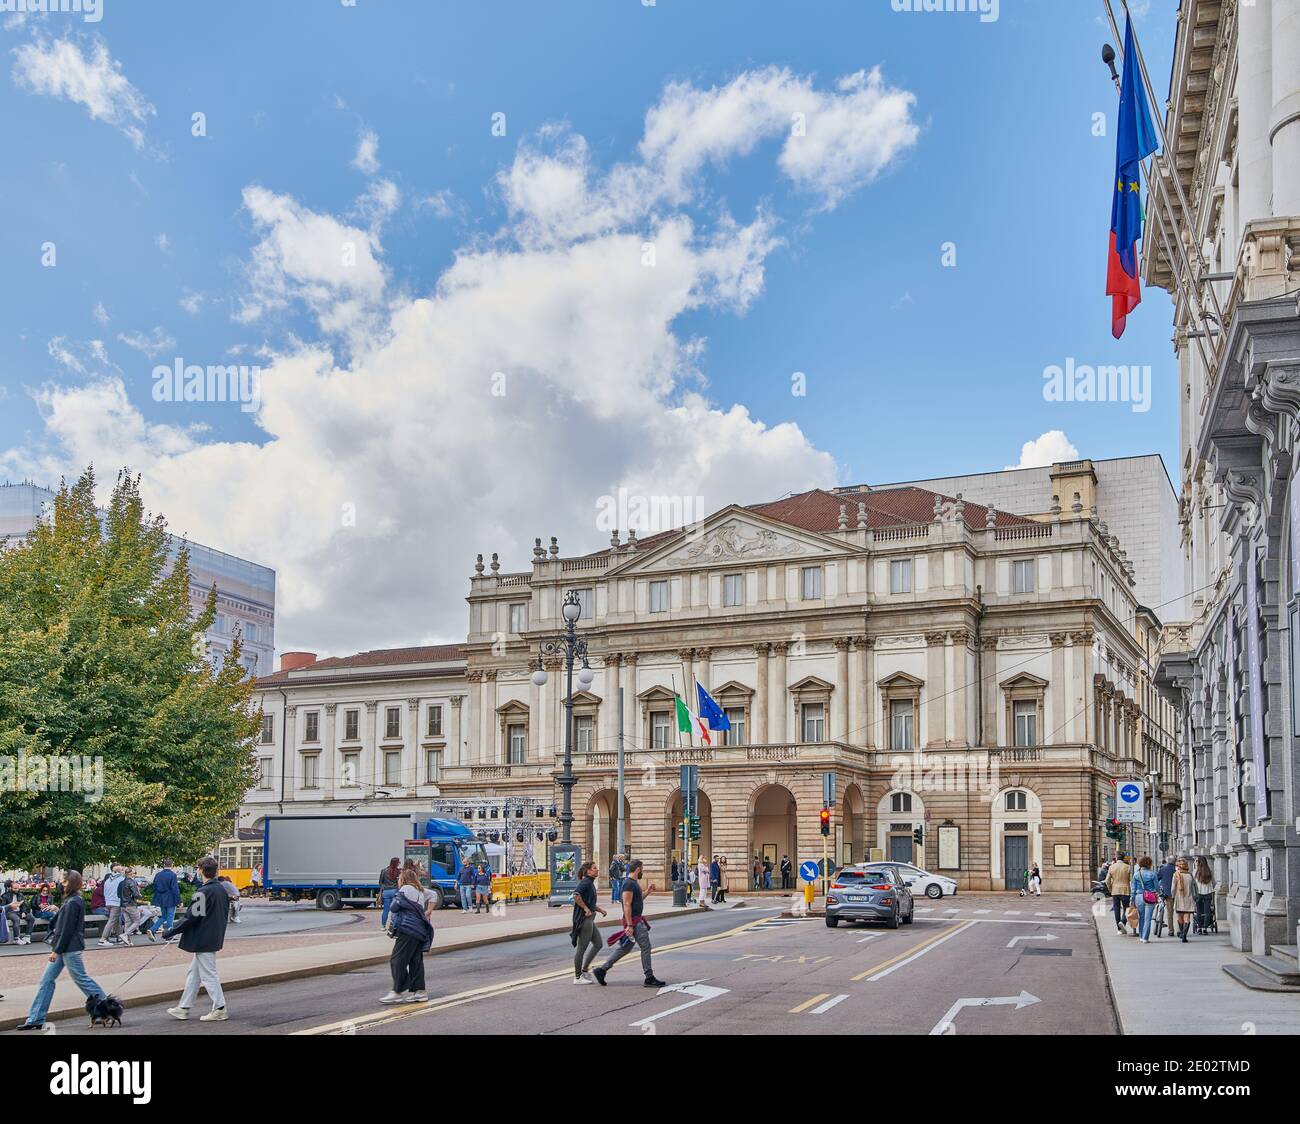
[379, 657]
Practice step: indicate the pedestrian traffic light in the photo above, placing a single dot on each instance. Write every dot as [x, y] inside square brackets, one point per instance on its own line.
[826, 821]
[918, 837]
[695, 828]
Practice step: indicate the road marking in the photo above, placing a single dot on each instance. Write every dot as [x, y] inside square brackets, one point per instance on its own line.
[884, 969]
[869, 937]
[945, 1024]
[997, 921]
[925, 909]
[1068, 914]
[828, 1005]
[953, 910]
[1042, 937]
[799, 1010]
[698, 988]
[1011, 912]
[979, 911]
[1042, 915]
[410, 1011]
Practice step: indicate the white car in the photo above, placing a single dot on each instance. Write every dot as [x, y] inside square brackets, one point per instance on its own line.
[933, 886]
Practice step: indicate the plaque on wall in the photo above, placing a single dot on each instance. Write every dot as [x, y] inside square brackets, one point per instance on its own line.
[949, 848]
[1061, 854]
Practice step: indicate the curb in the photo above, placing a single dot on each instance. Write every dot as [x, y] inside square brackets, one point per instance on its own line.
[9, 1021]
[1110, 988]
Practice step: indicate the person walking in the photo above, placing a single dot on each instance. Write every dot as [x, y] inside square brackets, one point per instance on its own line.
[67, 943]
[129, 901]
[114, 906]
[787, 868]
[704, 876]
[635, 931]
[1035, 880]
[1166, 876]
[412, 912]
[585, 935]
[757, 871]
[166, 897]
[465, 885]
[616, 872]
[1146, 896]
[767, 874]
[715, 879]
[388, 887]
[1118, 883]
[483, 888]
[1204, 886]
[203, 934]
[1183, 897]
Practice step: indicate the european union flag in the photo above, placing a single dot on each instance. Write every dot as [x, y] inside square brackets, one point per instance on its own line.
[711, 712]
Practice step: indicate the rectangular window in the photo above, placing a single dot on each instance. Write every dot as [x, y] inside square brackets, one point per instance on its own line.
[584, 733]
[1022, 575]
[268, 729]
[733, 589]
[250, 632]
[351, 725]
[432, 766]
[350, 770]
[736, 716]
[659, 597]
[517, 743]
[393, 768]
[312, 731]
[814, 722]
[311, 770]
[1026, 722]
[219, 623]
[811, 583]
[434, 726]
[393, 722]
[900, 575]
[586, 603]
[660, 729]
[900, 724]
[263, 772]
[519, 617]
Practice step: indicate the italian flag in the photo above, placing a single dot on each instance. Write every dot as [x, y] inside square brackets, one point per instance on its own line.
[688, 722]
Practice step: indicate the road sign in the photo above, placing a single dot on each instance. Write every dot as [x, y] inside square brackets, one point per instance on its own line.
[1130, 801]
[828, 789]
[810, 871]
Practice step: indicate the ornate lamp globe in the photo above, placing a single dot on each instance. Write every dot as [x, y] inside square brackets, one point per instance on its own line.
[539, 677]
[586, 675]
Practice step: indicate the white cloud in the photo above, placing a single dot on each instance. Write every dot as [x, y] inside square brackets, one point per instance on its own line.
[163, 243]
[60, 69]
[191, 302]
[100, 313]
[441, 203]
[1047, 449]
[367, 158]
[396, 412]
[153, 344]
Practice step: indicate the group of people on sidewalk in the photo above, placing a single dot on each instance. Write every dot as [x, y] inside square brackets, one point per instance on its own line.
[1137, 892]
[706, 877]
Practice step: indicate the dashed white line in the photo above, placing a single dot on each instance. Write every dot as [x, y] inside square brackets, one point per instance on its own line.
[828, 1005]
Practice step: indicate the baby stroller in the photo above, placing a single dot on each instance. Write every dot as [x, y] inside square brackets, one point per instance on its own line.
[1206, 921]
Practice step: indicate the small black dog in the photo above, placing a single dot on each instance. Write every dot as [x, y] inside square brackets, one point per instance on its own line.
[104, 1010]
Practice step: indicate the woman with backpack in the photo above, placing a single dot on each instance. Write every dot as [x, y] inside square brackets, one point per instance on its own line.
[1146, 896]
[411, 927]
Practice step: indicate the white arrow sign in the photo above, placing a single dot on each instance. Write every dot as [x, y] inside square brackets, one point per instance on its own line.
[1044, 937]
[690, 987]
[945, 1024]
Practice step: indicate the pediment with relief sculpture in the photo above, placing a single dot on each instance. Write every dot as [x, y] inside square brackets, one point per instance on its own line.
[735, 541]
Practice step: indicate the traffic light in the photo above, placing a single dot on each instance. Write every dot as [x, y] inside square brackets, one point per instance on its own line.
[826, 821]
[918, 837]
[1115, 830]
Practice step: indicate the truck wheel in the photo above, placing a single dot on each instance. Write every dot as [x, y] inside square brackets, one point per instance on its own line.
[329, 899]
[438, 899]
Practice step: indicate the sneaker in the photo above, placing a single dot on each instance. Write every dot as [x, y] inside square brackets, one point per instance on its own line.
[216, 1015]
[104, 943]
[599, 973]
[394, 997]
[417, 997]
[651, 981]
[124, 942]
[154, 937]
[30, 1026]
[181, 1013]
[583, 979]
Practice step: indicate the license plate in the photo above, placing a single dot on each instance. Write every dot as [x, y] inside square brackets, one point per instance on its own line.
[858, 898]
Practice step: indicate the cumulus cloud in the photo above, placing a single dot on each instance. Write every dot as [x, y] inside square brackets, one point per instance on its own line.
[367, 158]
[1046, 449]
[543, 371]
[60, 69]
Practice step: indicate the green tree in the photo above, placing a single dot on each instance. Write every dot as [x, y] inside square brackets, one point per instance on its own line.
[100, 660]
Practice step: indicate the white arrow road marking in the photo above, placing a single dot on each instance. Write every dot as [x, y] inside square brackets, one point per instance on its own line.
[828, 1005]
[925, 909]
[1011, 912]
[1074, 914]
[1042, 915]
[945, 1024]
[691, 987]
[1043, 937]
[869, 937]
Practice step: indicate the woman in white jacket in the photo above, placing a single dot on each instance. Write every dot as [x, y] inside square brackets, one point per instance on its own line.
[702, 869]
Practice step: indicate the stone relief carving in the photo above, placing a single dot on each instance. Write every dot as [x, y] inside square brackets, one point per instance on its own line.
[728, 543]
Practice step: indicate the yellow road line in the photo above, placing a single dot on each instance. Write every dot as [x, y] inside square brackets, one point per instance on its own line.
[913, 950]
[411, 1010]
[799, 1010]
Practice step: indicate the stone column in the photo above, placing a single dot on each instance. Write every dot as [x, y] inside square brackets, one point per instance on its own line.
[960, 688]
[870, 734]
[607, 740]
[630, 711]
[1254, 105]
[554, 725]
[951, 697]
[778, 694]
[854, 733]
[290, 780]
[1058, 695]
[687, 688]
[412, 742]
[703, 673]
[470, 753]
[457, 755]
[370, 748]
[840, 699]
[328, 765]
[990, 692]
[1284, 120]
[490, 752]
[934, 691]
[759, 717]
[1082, 642]
[535, 736]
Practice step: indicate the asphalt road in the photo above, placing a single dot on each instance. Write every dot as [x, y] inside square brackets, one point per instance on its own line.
[732, 972]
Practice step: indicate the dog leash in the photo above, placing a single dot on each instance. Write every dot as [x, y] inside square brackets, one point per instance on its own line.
[146, 964]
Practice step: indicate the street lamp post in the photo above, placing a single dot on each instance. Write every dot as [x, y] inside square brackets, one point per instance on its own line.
[571, 647]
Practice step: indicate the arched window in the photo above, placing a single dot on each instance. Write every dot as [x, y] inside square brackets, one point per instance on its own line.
[900, 802]
[1016, 801]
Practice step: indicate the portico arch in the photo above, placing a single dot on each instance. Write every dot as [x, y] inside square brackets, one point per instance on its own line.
[773, 825]
[898, 814]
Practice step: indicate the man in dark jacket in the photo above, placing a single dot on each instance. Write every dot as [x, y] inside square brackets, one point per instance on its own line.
[203, 932]
[166, 896]
[18, 914]
[67, 944]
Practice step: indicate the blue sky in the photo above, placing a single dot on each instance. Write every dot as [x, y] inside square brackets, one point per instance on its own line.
[198, 249]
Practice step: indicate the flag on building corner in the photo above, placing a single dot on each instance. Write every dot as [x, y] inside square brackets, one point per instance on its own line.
[1135, 139]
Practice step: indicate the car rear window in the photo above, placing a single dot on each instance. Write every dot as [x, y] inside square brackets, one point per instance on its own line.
[849, 876]
[878, 875]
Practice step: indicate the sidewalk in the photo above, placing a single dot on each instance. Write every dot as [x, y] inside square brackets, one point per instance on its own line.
[154, 985]
[1167, 987]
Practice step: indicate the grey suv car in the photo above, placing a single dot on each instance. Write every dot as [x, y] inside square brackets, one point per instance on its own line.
[869, 893]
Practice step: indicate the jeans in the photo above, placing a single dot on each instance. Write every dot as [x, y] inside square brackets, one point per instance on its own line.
[616, 889]
[1204, 910]
[131, 920]
[1146, 911]
[407, 963]
[641, 937]
[466, 896]
[203, 970]
[16, 920]
[386, 896]
[587, 947]
[45, 992]
[164, 921]
[1120, 904]
[767, 880]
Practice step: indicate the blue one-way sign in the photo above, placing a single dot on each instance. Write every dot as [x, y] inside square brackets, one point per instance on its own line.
[1130, 801]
